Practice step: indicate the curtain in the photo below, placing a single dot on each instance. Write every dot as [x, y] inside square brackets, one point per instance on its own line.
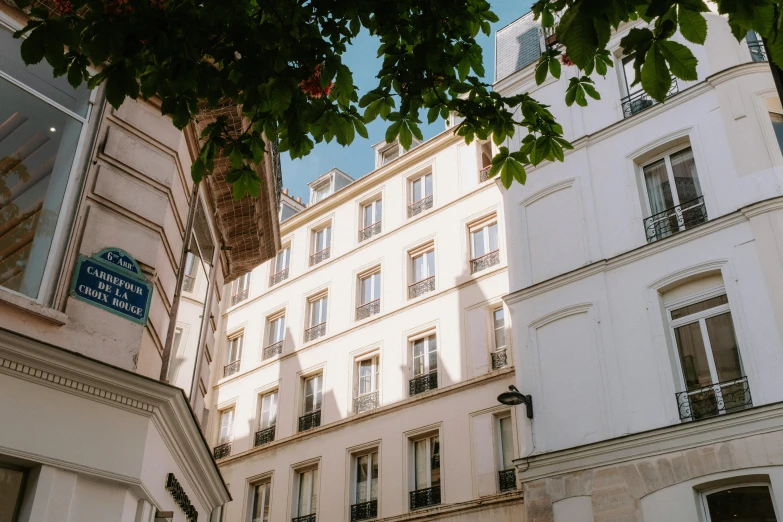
[658, 191]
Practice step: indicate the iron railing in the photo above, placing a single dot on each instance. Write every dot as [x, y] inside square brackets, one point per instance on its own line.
[188, 283]
[757, 51]
[309, 421]
[272, 350]
[265, 436]
[420, 206]
[315, 332]
[484, 174]
[231, 368]
[369, 231]
[421, 287]
[319, 256]
[366, 310]
[483, 262]
[676, 219]
[422, 383]
[636, 102]
[425, 497]
[366, 402]
[364, 510]
[277, 277]
[304, 518]
[499, 359]
[715, 399]
[507, 479]
[239, 297]
[222, 451]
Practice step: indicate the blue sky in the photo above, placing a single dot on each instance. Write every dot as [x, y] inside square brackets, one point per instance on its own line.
[357, 159]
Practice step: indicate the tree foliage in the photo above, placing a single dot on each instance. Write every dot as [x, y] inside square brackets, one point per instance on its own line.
[282, 62]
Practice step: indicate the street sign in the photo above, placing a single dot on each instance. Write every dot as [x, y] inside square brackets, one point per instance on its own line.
[112, 280]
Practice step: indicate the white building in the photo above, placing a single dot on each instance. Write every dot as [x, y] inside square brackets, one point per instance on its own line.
[359, 378]
[646, 275]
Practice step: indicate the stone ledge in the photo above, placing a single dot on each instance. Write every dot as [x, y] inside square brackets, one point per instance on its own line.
[27, 305]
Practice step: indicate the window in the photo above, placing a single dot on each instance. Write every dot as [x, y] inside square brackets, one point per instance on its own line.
[316, 318]
[225, 434]
[276, 329]
[262, 494]
[233, 356]
[485, 160]
[240, 288]
[371, 219]
[369, 296]
[506, 473]
[322, 239]
[742, 503]
[635, 98]
[426, 472]
[390, 153]
[322, 191]
[11, 489]
[484, 247]
[423, 272]
[425, 365]
[710, 364]
[499, 355]
[420, 195]
[307, 494]
[280, 268]
[366, 500]
[367, 384]
[43, 121]
[191, 268]
[758, 52]
[268, 418]
[311, 404]
[674, 195]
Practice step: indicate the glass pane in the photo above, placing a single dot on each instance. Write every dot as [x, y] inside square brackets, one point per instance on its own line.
[506, 443]
[699, 307]
[685, 177]
[777, 126]
[368, 216]
[435, 461]
[418, 268]
[725, 351]
[376, 284]
[658, 190]
[421, 464]
[630, 74]
[305, 492]
[362, 478]
[693, 357]
[477, 240]
[10, 493]
[318, 385]
[493, 237]
[261, 502]
[430, 263]
[418, 357]
[500, 328]
[314, 495]
[428, 185]
[366, 371]
[374, 479]
[432, 348]
[416, 187]
[378, 208]
[743, 504]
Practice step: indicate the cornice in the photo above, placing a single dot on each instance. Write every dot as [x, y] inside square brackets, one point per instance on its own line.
[461, 509]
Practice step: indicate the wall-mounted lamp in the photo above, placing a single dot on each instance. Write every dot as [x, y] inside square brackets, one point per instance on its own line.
[514, 397]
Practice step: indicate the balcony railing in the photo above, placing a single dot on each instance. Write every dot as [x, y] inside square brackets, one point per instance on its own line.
[422, 383]
[421, 287]
[499, 359]
[277, 277]
[757, 51]
[222, 451]
[636, 102]
[425, 497]
[364, 511]
[366, 310]
[272, 350]
[188, 283]
[420, 206]
[483, 262]
[369, 231]
[265, 436]
[484, 174]
[676, 219]
[231, 368]
[239, 297]
[319, 256]
[310, 421]
[716, 399]
[304, 518]
[315, 332]
[366, 402]
[508, 479]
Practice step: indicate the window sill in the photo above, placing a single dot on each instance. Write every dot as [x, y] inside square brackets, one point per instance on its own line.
[28, 306]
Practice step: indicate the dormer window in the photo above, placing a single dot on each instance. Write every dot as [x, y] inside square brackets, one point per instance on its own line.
[387, 152]
[328, 184]
[322, 191]
[390, 154]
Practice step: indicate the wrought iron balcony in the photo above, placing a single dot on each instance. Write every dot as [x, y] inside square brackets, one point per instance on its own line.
[310, 421]
[366, 310]
[422, 383]
[188, 283]
[305, 518]
[425, 497]
[364, 511]
[484, 174]
[499, 359]
[757, 51]
[421, 287]
[265, 436]
[716, 399]
[315, 332]
[676, 219]
[483, 262]
[420, 206]
[508, 479]
[239, 297]
[272, 350]
[369, 231]
[277, 277]
[319, 256]
[231, 368]
[366, 402]
[222, 451]
[636, 102]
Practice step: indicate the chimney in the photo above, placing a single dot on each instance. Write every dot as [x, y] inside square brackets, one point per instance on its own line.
[299, 199]
[285, 191]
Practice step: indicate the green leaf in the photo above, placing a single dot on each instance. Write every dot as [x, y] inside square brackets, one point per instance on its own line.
[406, 137]
[554, 66]
[34, 46]
[681, 60]
[693, 26]
[590, 90]
[236, 157]
[542, 69]
[393, 131]
[656, 79]
[75, 74]
[197, 170]
[115, 87]
[361, 130]
[578, 34]
[343, 84]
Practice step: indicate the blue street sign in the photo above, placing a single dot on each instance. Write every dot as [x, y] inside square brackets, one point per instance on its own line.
[112, 280]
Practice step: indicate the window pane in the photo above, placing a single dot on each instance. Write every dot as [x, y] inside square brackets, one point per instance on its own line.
[434, 461]
[10, 492]
[428, 185]
[500, 328]
[777, 126]
[432, 348]
[506, 443]
[376, 283]
[477, 240]
[421, 464]
[685, 177]
[362, 478]
[693, 357]
[366, 371]
[630, 74]
[305, 492]
[418, 357]
[658, 190]
[368, 216]
[746, 504]
[261, 502]
[430, 263]
[378, 208]
[492, 232]
[418, 268]
[699, 307]
[725, 351]
[374, 477]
